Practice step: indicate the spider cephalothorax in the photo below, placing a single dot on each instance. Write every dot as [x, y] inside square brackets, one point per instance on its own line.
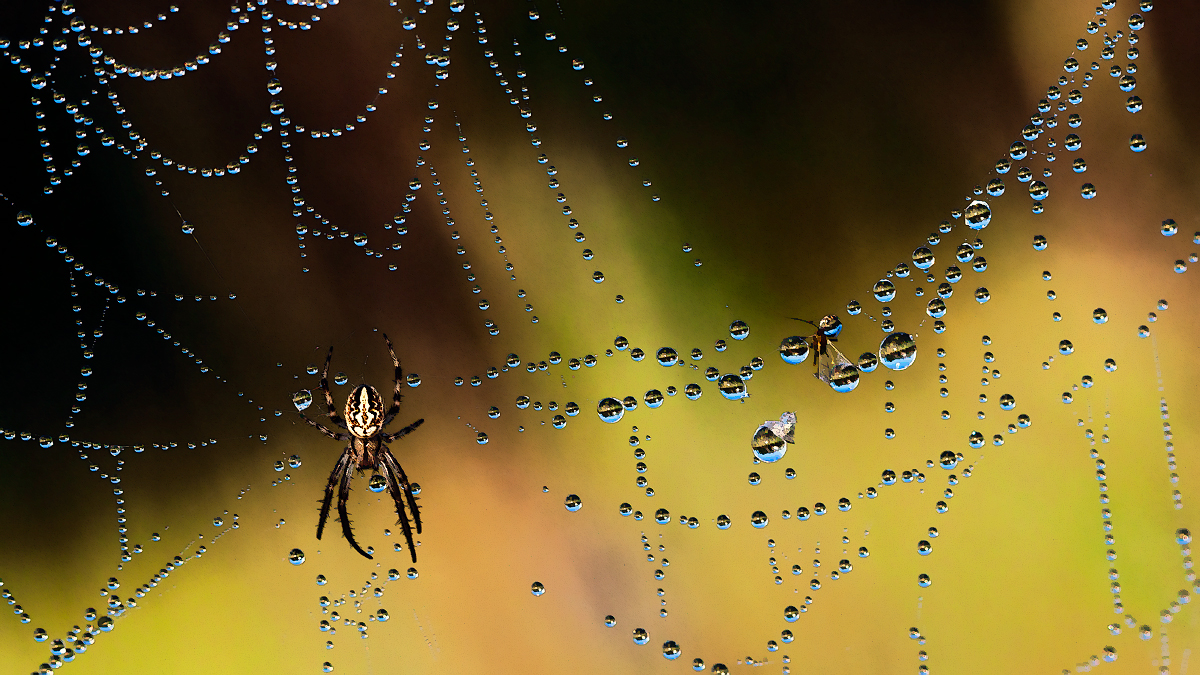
[364, 411]
[365, 420]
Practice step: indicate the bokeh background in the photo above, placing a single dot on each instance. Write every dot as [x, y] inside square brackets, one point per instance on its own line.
[798, 151]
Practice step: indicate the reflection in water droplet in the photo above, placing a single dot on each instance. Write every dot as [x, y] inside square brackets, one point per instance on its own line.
[884, 290]
[377, 483]
[793, 349]
[732, 387]
[844, 378]
[898, 351]
[738, 330]
[653, 398]
[573, 503]
[610, 410]
[537, 588]
[296, 557]
[767, 446]
[978, 214]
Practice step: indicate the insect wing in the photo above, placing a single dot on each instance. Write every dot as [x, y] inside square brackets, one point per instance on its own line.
[828, 360]
[784, 427]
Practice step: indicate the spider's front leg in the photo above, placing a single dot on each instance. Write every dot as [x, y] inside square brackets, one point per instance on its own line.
[333, 413]
[403, 432]
[324, 429]
[392, 411]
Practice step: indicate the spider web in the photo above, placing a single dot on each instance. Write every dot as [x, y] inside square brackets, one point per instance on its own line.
[156, 183]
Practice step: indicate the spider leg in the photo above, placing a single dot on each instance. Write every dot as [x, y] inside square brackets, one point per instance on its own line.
[325, 430]
[412, 500]
[391, 413]
[397, 482]
[343, 495]
[339, 470]
[403, 432]
[333, 414]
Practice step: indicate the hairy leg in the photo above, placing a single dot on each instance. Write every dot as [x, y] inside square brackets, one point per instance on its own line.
[333, 413]
[325, 430]
[344, 494]
[403, 432]
[390, 459]
[335, 477]
[395, 487]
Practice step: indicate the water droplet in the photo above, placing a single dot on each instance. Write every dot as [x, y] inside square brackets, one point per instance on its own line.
[1065, 347]
[1137, 143]
[537, 588]
[296, 556]
[640, 636]
[671, 650]
[738, 330]
[573, 503]
[978, 214]
[793, 350]
[732, 387]
[759, 520]
[610, 410]
[884, 290]
[898, 351]
[767, 445]
[667, 356]
[302, 399]
[377, 483]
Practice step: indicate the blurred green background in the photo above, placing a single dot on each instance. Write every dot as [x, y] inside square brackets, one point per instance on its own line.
[799, 151]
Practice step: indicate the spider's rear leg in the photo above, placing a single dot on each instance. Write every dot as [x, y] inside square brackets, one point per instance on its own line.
[343, 495]
[397, 482]
[340, 470]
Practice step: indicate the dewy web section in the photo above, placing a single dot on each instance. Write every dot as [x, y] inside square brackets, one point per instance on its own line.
[536, 533]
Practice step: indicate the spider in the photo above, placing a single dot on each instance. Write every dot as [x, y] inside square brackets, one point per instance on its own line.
[365, 420]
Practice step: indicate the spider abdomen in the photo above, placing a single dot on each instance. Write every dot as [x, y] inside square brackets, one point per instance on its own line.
[364, 411]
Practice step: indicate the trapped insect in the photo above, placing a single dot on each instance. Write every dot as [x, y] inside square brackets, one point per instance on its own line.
[832, 367]
[365, 420]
